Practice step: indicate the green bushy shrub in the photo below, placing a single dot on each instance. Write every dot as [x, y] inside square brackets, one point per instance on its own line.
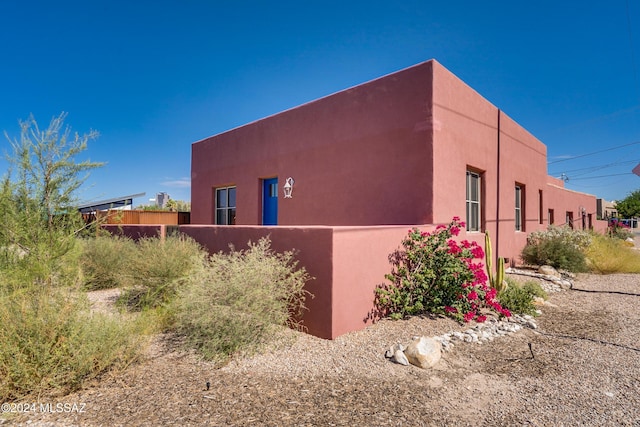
[155, 269]
[51, 344]
[234, 302]
[560, 247]
[105, 260]
[518, 298]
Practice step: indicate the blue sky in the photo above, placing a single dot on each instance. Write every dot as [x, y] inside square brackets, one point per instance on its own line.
[155, 76]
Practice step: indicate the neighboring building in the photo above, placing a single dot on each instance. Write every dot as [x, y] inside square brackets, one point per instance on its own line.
[121, 203]
[162, 199]
[605, 210]
[415, 147]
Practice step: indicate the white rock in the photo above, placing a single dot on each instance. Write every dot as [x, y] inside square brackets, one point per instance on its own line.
[392, 350]
[547, 270]
[424, 352]
[399, 357]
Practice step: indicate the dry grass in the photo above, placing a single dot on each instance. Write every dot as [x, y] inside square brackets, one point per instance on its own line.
[607, 256]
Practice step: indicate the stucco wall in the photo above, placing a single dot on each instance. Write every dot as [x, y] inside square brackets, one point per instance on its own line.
[361, 260]
[359, 157]
[562, 200]
[347, 264]
[314, 251]
[470, 133]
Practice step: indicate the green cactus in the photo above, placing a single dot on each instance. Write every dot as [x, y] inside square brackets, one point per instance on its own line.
[496, 280]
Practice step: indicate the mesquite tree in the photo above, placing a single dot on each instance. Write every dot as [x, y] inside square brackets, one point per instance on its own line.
[38, 202]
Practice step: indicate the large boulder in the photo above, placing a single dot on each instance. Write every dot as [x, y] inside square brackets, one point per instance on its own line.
[424, 352]
[547, 270]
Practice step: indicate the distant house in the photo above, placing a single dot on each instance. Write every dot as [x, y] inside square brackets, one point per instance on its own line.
[414, 147]
[605, 210]
[122, 203]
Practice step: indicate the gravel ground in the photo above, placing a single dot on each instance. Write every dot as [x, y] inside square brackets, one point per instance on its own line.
[585, 370]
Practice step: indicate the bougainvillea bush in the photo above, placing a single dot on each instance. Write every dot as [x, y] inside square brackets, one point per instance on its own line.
[433, 273]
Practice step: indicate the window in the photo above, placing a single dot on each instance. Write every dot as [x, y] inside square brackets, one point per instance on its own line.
[550, 218]
[519, 215]
[473, 201]
[569, 219]
[540, 211]
[226, 206]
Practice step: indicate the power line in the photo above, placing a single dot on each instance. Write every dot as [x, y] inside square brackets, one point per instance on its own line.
[595, 152]
[603, 176]
[598, 167]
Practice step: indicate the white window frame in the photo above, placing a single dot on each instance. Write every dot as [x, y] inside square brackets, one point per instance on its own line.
[519, 190]
[474, 205]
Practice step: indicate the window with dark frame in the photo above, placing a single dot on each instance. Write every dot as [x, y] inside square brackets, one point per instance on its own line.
[473, 201]
[226, 206]
[540, 210]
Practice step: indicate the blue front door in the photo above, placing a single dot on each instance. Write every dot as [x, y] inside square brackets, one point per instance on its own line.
[270, 201]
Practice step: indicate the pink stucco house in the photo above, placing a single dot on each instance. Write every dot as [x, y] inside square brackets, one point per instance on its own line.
[415, 147]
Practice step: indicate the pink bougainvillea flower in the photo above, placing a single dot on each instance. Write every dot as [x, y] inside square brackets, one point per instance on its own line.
[491, 294]
[481, 319]
[477, 252]
[456, 218]
[469, 316]
[462, 224]
[473, 295]
[506, 312]
[440, 227]
[455, 230]
[450, 309]
[466, 244]
[454, 249]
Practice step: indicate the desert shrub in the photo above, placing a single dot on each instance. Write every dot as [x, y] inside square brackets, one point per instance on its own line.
[235, 302]
[610, 255]
[518, 298]
[619, 230]
[435, 274]
[104, 261]
[156, 267]
[51, 344]
[560, 247]
[577, 238]
[20, 268]
[534, 289]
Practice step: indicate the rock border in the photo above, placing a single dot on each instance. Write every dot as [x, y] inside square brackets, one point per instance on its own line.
[550, 280]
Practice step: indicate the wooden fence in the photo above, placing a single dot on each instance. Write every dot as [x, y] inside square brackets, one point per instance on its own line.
[126, 217]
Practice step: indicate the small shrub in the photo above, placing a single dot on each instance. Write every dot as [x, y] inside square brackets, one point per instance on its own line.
[105, 260]
[519, 298]
[51, 344]
[577, 238]
[435, 274]
[560, 247]
[535, 289]
[610, 255]
[619, 230]
[234, 302]
[155, 269]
